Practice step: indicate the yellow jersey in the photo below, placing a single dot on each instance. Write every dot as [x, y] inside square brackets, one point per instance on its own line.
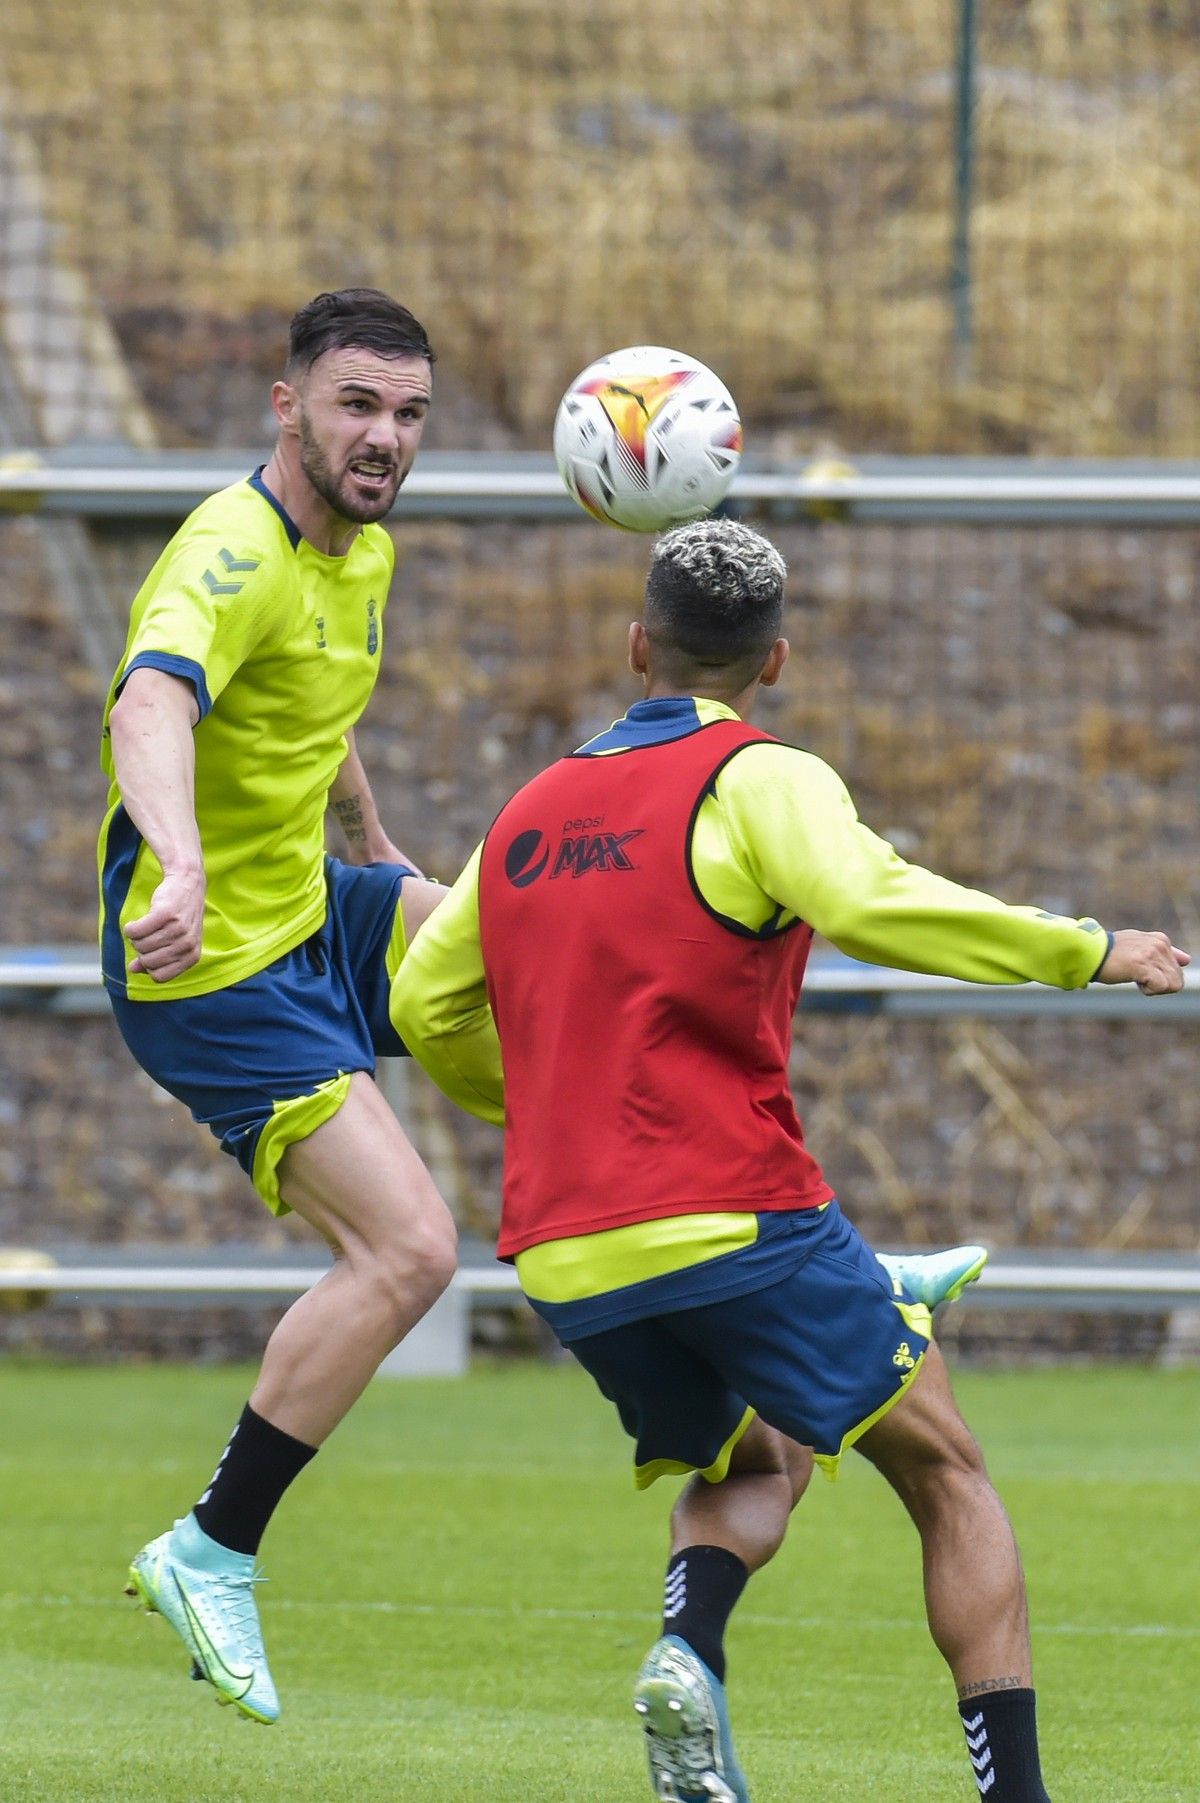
[281, 644]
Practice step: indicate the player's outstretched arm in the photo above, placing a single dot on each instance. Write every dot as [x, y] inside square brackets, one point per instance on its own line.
[1147, 959]
[353, 807]
[155, 762]
[796, 830]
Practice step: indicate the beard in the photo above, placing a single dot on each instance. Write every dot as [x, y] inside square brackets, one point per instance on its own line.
[336, 490]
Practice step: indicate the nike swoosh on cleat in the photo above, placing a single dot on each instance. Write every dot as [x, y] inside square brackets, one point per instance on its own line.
[208, 1652]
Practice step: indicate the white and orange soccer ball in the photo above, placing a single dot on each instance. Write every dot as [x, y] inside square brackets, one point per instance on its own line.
[646, 438]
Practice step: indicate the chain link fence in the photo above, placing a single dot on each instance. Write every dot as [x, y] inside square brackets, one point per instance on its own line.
[769, 187]
[1013, 706]
[772, 189]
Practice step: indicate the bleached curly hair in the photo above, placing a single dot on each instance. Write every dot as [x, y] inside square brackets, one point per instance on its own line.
[714, 592]
[723, 555]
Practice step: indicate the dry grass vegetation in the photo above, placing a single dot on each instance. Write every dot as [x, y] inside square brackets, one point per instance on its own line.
[1014, 708]
[767, 185]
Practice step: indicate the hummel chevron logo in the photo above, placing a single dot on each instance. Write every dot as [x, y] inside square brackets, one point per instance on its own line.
[980, 1752]
[676, 1594]
[216, 1474]
[233, 566]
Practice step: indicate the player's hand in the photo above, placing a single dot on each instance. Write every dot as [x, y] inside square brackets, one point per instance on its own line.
[167, 938]
[1147, 959]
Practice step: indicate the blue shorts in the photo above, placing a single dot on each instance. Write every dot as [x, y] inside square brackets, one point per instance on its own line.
[263, 1062]
[821, 1353]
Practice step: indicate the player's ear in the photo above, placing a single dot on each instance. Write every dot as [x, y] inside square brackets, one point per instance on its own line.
[777, 656]
[639, 649]
[285, 405]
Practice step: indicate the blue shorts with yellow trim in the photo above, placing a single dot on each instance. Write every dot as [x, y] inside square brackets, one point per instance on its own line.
[820, 1352]
[265, 1061]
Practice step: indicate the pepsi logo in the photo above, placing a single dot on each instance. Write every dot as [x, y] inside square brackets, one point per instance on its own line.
[526, 858]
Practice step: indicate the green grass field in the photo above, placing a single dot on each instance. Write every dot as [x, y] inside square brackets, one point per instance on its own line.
[463, 1585]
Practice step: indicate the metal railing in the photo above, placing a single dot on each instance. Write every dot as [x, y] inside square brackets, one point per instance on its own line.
[66, 980]
[1147, 1282]
[96, 482]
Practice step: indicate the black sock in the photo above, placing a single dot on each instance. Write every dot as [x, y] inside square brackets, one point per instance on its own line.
[1001, 1731]
[255, 1469]
[703, 1584]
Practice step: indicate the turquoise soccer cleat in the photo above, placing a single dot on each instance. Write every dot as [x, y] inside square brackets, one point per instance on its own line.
[686, 1721]
[206, 1593]
[934, 1277]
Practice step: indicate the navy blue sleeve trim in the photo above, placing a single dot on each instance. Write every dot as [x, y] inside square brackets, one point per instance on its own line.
[1104, 960]
[172, 665]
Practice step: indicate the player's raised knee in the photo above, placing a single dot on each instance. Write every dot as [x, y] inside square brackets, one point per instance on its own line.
[420, 1262]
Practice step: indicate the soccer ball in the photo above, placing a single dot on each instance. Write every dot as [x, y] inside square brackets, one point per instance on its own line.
[647, 438]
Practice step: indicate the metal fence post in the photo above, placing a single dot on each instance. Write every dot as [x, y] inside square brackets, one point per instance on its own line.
[964, 170]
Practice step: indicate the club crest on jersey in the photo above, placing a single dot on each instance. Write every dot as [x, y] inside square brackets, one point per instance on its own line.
[528, 856]
[372, 628]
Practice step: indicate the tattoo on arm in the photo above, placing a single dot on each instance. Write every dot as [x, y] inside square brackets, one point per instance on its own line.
[350, 819]
[986, 1684]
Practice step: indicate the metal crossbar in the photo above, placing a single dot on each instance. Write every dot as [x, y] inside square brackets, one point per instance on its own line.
[1099, 1281]
[67, 980]
[235, 1281]
[876, 488]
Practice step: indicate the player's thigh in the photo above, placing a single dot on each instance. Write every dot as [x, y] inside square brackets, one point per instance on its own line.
[924, 1434]
[359, 1181]
[418, 898]
[763, 1451]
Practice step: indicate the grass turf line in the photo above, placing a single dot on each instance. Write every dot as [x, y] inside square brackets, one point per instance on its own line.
[464, 1582]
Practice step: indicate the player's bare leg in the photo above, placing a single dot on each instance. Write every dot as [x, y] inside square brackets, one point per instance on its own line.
[418, 898]
[720, 1533]
[974, 1588]
[359, 1182]
[747, 1514]
[974, 1585]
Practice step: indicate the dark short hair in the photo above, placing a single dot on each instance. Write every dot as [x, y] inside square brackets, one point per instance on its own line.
[363, 317]
[714, 594]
